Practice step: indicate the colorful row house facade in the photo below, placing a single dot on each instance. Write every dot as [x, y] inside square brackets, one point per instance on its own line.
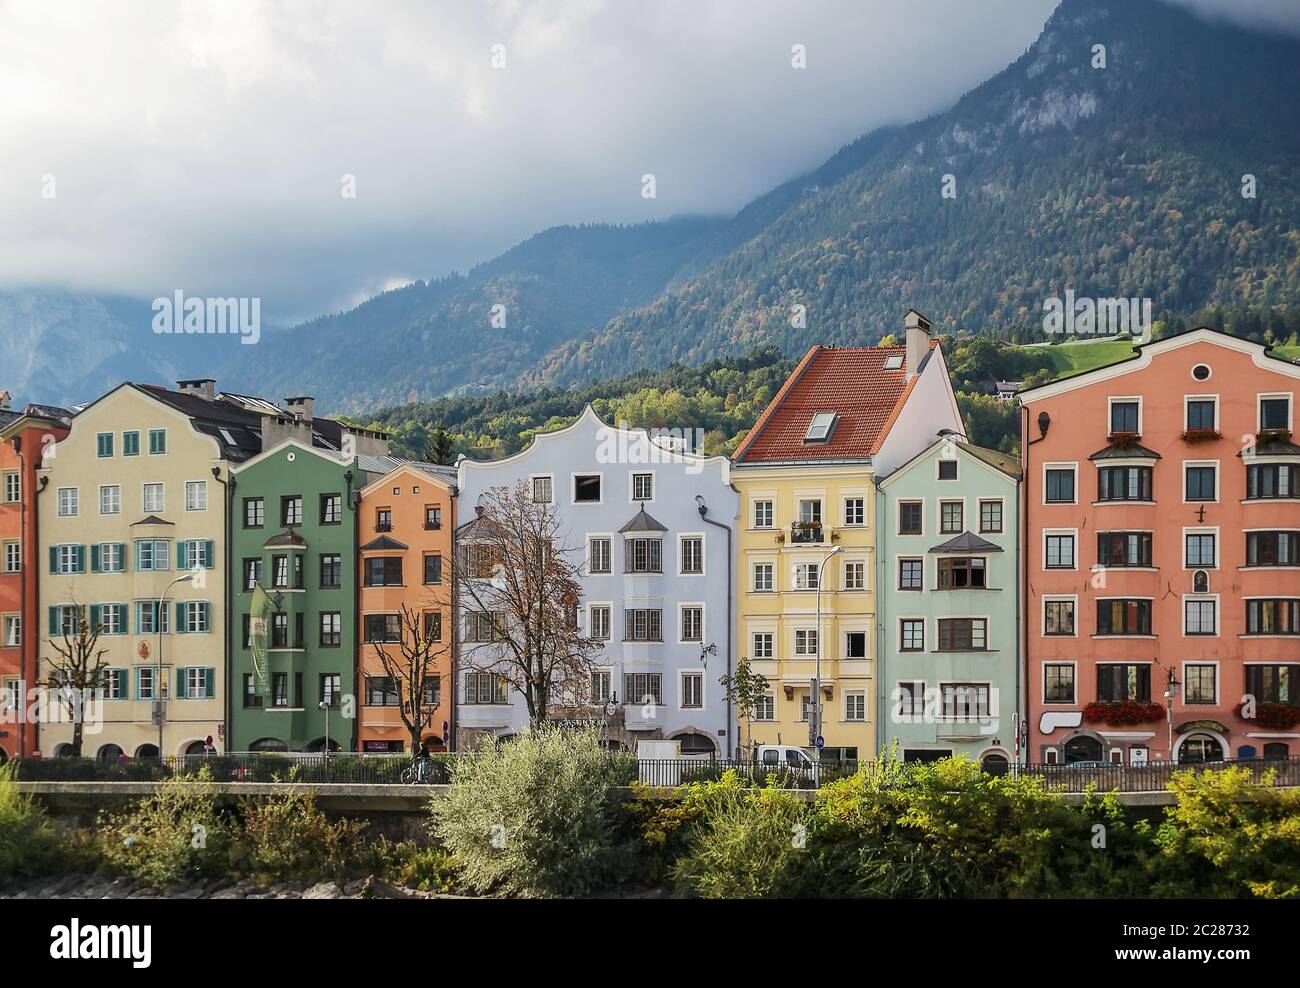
[1162, 557]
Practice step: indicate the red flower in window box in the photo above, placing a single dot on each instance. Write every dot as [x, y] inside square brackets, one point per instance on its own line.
[1274, 716]
[1123, 440]
[1194, 436]
[1123, 713]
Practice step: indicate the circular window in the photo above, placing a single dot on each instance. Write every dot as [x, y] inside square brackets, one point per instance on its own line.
[291, 457]
[1201, 372]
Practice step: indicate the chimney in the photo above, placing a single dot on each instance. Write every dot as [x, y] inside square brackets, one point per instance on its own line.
[918, 341]
[201, 387]
[4, 399]
[300, 407]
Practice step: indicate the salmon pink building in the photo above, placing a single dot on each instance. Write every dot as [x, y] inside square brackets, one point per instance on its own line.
[1161, 607]
[24, 437]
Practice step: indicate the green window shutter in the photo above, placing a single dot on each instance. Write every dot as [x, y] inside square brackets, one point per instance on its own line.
[182, 680]
[95, 612]
[209, 683]
[180, 618]
[54, 559]
[209, 554]
[81, 559]
[180, 553]
[122, 555]
[94, 557]
[54, 620]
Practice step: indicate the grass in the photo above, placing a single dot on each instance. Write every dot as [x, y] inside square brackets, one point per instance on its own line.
[1073, 358]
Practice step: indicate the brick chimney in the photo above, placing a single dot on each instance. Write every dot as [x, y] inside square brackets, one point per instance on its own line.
[918, 341]
[201, 387]
[300, 407]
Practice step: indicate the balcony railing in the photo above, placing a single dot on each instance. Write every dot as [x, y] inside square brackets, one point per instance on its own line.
[807, 533]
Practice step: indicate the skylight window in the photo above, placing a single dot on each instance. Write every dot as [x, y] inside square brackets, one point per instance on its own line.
[819, 430]
[894, 361]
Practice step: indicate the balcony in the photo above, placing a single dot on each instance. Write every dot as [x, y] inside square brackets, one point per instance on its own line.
[807, 533]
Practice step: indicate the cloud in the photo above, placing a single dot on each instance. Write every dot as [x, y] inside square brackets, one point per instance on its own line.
[207, 146]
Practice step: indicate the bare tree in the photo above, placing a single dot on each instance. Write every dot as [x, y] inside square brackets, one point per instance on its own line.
[519, 590]
[77, 673]
[745, 689]
[412, 665]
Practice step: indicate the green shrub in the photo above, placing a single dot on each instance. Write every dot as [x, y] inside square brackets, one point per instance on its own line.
[172, 835]
[28, 840]
[429, 869]
[286, 836]
[535, 816]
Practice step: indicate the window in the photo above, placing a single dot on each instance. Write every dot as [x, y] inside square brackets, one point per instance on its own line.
[643, 555]
[961, 573]
[1200, 414]
[383, 628]
[104, 444]
[909, 700]
[763, 641]
[432, 517]
[68, 559]
[383, 519]
[195, 683]
[1272, 548]
[130, 444]
[1273, 683]
[1058, 617]
[1123, 681]
[252, 573]
[13, 561]
[643, 687]
[643, 487]
[543, 490]
[600, 686]
[1200, 549]
[433, 568]
[855, 511]
[331, 629]
[67, 502]
[433, 626]
[331, 571]
[194, 616]
[1124, 484]
[254, 512]
[146, 617]
[911, 635]
[1124, 617]
[1124, 549]
[157, 442]
[1200, 617]
[1280, 616]
[692, 554]
[280, 572]
[990, 516]
[1060, 551]
[110, 500]
[11, 634]
[763, 514]
[331, 688]
[13, 487]
[1272, 480]
[965, 701]
[586, 488]
[1199, 683]
[331, 509]
[291, 510]
[144, 683]
[600, 621]
[1059, 485]
[643, 624]
[1274, 413]
[950, 517]
[763, 573]
[909, 517]
[855, 706]
[855, 575]
[765, 707]
[384, 571]
[805, 642]
[599, 552]
[819, 429]
[910, 574]
[963, 634]
[855, 644]
[154, 499]
[1123, 417]
[115, 684]
[692, 689]
[1058, 682]
[692, 623]
[947, 469]
[196, 495]
[1200, 483]
[194, 554]
[809, 527]
[381, 691]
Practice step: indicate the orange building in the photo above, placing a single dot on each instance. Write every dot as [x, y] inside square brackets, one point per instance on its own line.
[24, 437]
[405, 524]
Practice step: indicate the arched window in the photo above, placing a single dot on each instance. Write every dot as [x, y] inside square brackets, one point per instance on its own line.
[109, 754]
[696, 744]
[146, 751]
[268, 744]
[1276, 749]
[1082, 748]
[1199, 748]
[995, 764]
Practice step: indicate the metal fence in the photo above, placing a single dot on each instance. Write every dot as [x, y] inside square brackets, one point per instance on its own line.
[378, 769]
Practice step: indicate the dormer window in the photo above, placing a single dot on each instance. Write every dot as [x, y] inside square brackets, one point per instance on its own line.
[819, 430]
[894, 361]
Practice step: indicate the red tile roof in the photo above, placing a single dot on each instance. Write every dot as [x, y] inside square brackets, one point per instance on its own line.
[850, 381]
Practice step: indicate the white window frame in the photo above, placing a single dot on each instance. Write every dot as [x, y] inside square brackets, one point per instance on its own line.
[12, 561]
[13, 487]
[1057, 598]
[1073, 466]
[162, 498]
[1188, 399]
[532, 487]
[845, 498]
[771, 574]
[1259, 408]
[682, 607]
[1211, 598]
[938, 517]
[1202, 530]
[898, 517]
[854, 694]
[1074, 534]
[681, 689]
[114, 495]
[844, 576]
[196, 487]
[573, 488]
[633, 477]
[69, 502]
[770, 641]
[600, 605]
[608, 539]
[1218, 683]
[1113, 400]
[1042, 680]
[681, 553]
[770, 501]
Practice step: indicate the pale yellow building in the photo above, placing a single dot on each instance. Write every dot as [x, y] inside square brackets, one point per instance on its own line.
[806, 476]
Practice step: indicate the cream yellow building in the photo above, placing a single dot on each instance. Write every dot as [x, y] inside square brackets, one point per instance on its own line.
[806, 476]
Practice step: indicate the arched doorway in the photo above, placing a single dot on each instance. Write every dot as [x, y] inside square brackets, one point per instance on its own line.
[1275, 750]
[196, 748]
[319, 745]
[696, 745]
[268, 744]
[146, 751]
[63, 750]
[1198, 748]
[109, 754]
[995, 763]
[1082, 748]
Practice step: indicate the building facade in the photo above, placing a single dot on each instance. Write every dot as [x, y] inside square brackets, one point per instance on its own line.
[24, 437]
[949, 584]
[805, 570]
[1162, 548]
[406, 519]
[652, 527]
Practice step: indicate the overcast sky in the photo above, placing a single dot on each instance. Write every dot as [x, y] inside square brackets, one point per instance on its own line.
[203, 145]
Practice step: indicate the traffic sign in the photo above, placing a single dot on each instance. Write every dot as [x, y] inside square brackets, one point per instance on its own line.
[820, 742]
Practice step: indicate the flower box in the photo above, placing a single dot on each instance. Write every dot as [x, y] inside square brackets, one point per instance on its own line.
[1123, 713]
[1194, 436]
[1274, 716]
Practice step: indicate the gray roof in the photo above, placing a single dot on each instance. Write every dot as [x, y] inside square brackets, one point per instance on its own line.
[1133, 451]
[384, 543]
[1274, 446]
[969, 543]
[151, 520]
[288, 537]
[642, 522]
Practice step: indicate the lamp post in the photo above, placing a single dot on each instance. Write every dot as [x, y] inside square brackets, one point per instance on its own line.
[815, 713]
[324, 705]
[1170, 694]
[158, 674]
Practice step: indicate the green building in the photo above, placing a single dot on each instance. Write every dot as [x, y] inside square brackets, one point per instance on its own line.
[294, 534]
[948, 570]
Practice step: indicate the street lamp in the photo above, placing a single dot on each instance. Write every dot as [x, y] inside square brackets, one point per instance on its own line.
[815, 714]
[324, 705]
[1170, 695]
[158, 674]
